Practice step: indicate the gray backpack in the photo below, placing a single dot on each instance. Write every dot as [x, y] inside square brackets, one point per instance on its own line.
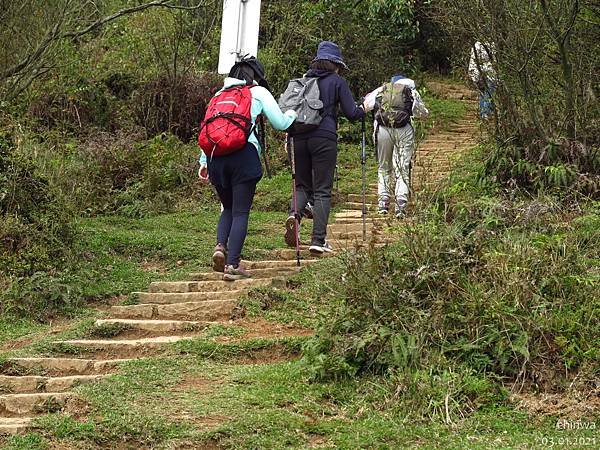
[393, 106]
[303, 96]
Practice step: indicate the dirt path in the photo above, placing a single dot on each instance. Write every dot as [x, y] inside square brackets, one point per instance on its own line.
[174, 311]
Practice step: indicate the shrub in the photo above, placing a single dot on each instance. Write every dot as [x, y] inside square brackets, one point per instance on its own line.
[562, 166]
[174, 105]
[74, 108]
[120, 172]
[496, 288]
[42, 296]
[35, 222]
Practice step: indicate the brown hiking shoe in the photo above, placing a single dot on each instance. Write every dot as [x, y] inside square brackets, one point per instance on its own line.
[219, 258]
[233, 273]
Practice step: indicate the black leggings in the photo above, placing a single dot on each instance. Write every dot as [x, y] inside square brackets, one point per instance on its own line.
[233, 224]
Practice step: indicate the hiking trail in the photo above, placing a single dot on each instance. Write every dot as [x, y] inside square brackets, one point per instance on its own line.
[174, 311]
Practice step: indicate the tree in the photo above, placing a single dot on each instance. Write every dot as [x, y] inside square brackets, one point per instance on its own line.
[31, 33]
[548, 71]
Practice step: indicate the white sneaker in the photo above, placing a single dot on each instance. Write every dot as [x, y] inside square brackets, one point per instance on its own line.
[320, 249]
[401, 210]
[383, 207]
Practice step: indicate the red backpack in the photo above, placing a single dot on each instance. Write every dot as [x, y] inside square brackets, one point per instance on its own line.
[227, 122]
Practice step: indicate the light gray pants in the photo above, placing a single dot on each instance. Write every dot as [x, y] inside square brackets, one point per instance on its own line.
[394, 153]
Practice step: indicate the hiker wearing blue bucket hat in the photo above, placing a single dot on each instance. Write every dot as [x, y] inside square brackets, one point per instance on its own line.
[315, 148]
[395, 104]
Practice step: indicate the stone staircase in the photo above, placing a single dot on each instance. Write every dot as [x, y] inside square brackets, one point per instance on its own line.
[175, 311]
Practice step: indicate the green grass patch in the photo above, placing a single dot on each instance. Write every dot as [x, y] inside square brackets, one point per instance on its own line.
[194, 402]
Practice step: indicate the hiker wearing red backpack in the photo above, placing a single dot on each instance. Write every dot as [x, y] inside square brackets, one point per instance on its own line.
[315, 150]
[230, 156]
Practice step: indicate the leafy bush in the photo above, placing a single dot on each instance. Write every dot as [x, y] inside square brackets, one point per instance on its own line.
[74, 108]
[35, 222]
[120, 172]
[175, 105]
[563, 166]
[42, 296]
[496, 288]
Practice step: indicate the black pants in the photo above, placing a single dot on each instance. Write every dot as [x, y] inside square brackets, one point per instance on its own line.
[315, 160]
[235, 177]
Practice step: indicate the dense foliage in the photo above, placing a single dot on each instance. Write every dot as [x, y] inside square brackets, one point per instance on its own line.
[547, 115]
[479, 292]
[35, 229]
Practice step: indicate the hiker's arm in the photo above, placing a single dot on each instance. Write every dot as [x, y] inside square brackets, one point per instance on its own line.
[278, 119]
[369, 102]
[349, 108]
[203, 170]
[419, 109]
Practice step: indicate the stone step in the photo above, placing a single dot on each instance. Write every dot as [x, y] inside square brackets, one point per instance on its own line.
[124, 344]
[438, 153]
[202, 311]
[33, 384]
[60, 366]
[423, 177]
[448, 140]
[213, 287]
[348, 213]
[358, 206]
[357, 198]
[357, 219]
[167, 298]
[352, 214]
[342, 245]
[289, 254]
[268, 272]
[356, 242]
[14, 425]
[38, 403]
[279, 263]
[344, 235]
[159, 326]
[352, 227]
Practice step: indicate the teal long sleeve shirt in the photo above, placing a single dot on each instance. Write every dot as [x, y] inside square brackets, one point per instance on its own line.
[262, 103]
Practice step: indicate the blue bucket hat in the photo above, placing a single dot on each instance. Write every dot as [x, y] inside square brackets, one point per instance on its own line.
[330, 51]
[397, 78]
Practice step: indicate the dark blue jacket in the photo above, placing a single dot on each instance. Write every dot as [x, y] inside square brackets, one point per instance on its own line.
[334, 91]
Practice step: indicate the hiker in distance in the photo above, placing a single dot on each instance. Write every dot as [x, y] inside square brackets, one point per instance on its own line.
[395, 104]
[315, 146]
[482, 73]
[230, 156]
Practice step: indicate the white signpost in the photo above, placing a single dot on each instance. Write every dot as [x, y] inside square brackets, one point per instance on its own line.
[239, 32]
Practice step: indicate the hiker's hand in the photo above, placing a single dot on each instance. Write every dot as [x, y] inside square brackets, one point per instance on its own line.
[203, 173]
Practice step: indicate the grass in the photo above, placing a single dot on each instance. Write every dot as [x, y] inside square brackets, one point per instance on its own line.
[257, 393]
[192, 401]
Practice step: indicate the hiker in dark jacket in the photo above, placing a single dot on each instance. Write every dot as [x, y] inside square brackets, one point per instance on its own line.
[316, 150]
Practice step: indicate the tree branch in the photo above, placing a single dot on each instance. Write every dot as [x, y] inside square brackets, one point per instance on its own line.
[54, 34]
[125, 11]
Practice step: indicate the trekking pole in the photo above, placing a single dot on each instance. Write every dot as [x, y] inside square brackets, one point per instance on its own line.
[294, 196]
[363, 161]
[262, 135]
